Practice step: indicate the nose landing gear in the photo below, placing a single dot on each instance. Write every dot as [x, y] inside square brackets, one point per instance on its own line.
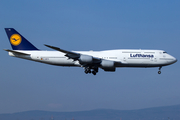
[159, 72]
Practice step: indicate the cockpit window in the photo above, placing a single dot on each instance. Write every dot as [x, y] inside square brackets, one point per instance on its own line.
[164, 52]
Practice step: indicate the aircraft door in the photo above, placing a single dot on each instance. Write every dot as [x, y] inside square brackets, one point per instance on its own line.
[124, 58]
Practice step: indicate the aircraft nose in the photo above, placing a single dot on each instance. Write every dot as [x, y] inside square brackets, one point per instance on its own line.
[175, 60]
[172, 59]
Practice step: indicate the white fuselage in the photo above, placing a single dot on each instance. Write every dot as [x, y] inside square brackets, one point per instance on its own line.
[126, 57]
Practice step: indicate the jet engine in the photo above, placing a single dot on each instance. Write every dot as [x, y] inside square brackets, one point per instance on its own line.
[108, 65]
[86, 59]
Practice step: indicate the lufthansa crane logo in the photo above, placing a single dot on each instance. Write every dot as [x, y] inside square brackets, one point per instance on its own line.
[15, 39]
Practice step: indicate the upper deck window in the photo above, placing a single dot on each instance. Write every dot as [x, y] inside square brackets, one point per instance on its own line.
[164, 52]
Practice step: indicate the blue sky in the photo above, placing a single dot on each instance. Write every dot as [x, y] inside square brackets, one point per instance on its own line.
[89, 25]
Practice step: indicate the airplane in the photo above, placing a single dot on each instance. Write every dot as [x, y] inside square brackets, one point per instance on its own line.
[91, 61]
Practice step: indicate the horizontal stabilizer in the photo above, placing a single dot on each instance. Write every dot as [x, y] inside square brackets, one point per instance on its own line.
[16, 52]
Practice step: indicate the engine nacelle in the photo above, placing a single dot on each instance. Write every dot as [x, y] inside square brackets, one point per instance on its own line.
[108, 65]
[86, 59]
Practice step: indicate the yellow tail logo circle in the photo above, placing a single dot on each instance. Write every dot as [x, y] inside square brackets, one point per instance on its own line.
[15, 39]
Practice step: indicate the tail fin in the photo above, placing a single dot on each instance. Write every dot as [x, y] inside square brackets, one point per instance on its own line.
[17, 41]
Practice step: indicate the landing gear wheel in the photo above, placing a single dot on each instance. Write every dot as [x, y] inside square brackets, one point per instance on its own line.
[159, 72]
[90, 69]
[94, 72]
[87, 70]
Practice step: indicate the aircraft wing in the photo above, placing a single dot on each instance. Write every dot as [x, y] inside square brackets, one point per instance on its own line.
[69, 54]
[89, 62]
[73, 55]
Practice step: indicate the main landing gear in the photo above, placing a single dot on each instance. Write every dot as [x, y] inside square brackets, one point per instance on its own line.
[91, 70]
[159, 72]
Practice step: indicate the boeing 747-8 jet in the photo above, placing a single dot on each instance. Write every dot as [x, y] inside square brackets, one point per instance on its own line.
[91, 61]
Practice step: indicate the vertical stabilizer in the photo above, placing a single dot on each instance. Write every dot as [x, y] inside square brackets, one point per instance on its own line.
[17, 41]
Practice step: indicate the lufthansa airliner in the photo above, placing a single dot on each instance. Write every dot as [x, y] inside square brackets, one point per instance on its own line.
[91, 61]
